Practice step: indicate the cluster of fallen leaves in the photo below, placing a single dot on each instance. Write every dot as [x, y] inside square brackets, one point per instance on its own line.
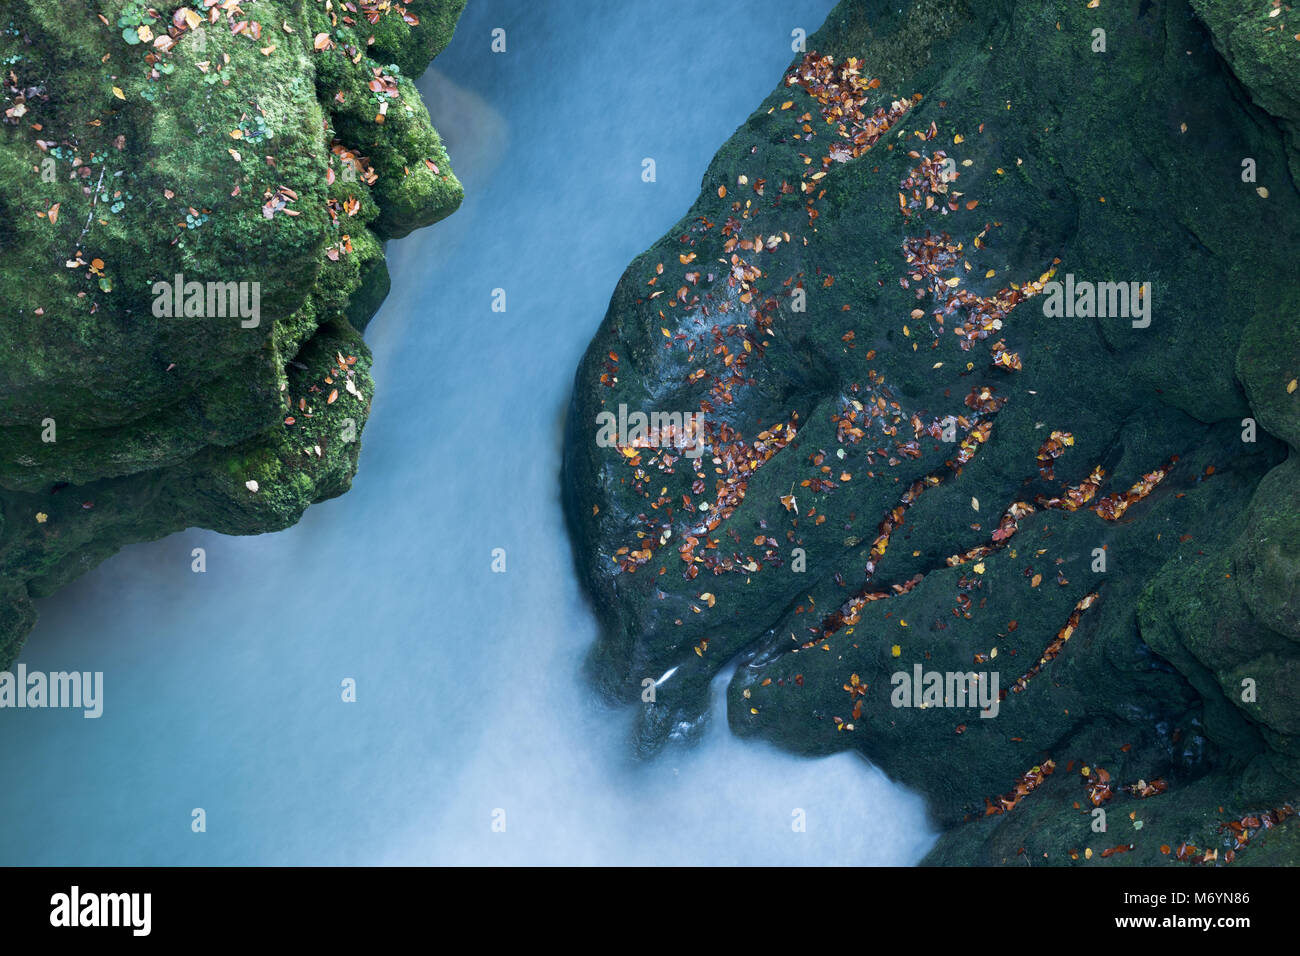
[1002, 358]
[360, 164]
[928, 183]
[1050, 450]
[736, 461]
[19, 95]
[1112, 507]
[937, 264]
[1143, 789]
[343, 207]
[1075, 497]
[1056, 646]
[341, 371]
[1029, 781]
[1240, 830]
[183, 20]
[841, 93]
[278, 200]
[857, 690]
[1097, 781]
[849, 613]
[373, 10]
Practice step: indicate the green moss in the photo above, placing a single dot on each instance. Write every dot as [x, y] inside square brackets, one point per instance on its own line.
[224, 157]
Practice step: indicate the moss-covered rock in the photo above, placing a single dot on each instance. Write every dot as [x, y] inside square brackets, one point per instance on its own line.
[263, 153]
[914, 460]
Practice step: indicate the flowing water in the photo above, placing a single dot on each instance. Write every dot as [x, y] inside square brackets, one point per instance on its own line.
[222, 689]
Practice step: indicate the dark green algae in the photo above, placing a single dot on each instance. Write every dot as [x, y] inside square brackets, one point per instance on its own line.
[1125, 165]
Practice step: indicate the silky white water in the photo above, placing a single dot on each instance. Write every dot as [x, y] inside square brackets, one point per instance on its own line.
[222, 690]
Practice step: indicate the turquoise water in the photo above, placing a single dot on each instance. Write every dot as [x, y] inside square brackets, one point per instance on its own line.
[222, 690]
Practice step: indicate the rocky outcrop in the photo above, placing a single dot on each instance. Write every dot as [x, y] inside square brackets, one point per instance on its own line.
[990, 313]
[264, 154]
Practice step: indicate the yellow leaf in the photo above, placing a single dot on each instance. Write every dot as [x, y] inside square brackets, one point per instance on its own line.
[117, 91]
[896, 651]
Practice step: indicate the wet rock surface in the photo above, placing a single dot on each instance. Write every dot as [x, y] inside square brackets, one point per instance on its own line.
[934, 441]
